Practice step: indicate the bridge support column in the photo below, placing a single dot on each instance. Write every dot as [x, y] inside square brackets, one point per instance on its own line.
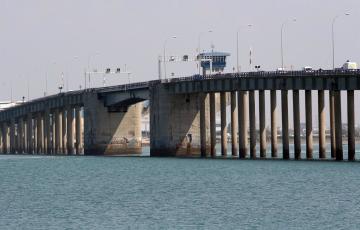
[243, 123]
[223, 124]
[78, 130]
[58, 132]
[47, 134]
[332, 123]
[29, 136]
[5, 145]
[252, 124]
[20, 135]
[285, 123]
[64, 132]
[273, 105]
[338, 126]
[12, 136]
[262, 124]
[351, 125]
[40, 133]
[322, 134]
[70, 130]
[202, 103]
[234, 125]
[53, 133]
[116, 132]
[212, 125]
[309, 129]
[297, 138]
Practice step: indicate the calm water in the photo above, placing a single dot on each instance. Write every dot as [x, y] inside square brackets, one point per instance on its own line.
[44, 192]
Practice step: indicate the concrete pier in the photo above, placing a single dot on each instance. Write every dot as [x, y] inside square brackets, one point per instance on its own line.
[70, 123]
[4, 135]
[58, 132]
[322, 125]
[223, 124]
[252, 124]
[78, 130]
[47, 131]
[212, 125]
[234, 124]
[309, 129]
[332, 123]
[12, 136]
[29, 136]
[338, 126]
[202, 101]
[285, 124]
[40, 133]
[296, 114]
[64, 134]
[262, 125]
[351, 125]
[273, 105]
[20, 135]
[243, 123]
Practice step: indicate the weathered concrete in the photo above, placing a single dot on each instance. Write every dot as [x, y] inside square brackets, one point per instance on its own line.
[273, 105]
[252, 124]
[58, 132]
[234, 124]
[309, 129]
[12, 136]
[5, 147]
[223, 124]
[212, 124]
[296, 113]
[20, 135]
[285, 123]
[243, 123]
[78, 130]
[338, 126]
[351, 125]
[64, 134]
[112, 133]
[262, 124]
[322, 125]
[47, 131]
[40, 133]
[332, 123]
[29, 136]
[202, 103]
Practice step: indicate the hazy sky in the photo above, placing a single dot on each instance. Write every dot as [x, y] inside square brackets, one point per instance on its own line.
[40, 39]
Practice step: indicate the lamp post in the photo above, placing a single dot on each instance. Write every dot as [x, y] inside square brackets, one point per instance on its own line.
[199, 47]
[333, 38]
[282, 49]
[237, 47]
[164, 58]
[88, 68]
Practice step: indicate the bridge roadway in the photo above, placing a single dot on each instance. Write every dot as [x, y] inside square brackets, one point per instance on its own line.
[182, 116]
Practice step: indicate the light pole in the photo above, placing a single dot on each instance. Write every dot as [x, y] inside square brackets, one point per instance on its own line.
[88, 68]
[237, 47]
[199, 47]
[164, 58]
[282, 49]
[333, 38]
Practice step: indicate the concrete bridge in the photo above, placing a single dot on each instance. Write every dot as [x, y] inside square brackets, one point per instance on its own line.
[182, 116]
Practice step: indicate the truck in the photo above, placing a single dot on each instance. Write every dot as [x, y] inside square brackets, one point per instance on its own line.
[348, 65]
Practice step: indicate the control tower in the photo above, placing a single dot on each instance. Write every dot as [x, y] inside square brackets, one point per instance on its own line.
[213, 61]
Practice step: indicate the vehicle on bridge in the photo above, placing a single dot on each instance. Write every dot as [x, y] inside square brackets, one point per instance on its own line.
[348, 65]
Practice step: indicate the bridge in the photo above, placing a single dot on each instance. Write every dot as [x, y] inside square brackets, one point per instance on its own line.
[107, 121]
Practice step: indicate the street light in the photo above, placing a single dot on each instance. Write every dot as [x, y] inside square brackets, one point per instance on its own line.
[237, 47]
[165, 42]
[199, 47]
[88, 67]
[282, 49]
[333, 37]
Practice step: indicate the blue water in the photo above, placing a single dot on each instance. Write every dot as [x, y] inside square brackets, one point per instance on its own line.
[47, 192]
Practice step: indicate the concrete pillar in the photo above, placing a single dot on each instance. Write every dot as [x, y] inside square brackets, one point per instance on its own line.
[309, 129]
[5, 138]
[338, 126]
[351, 125]
[53, 133]
[212, 125]
[296, 110]
[47, 131]
[322, 126]
[70, 131]
[252, 119]
[24, 136]
[20, 135]
[243, 123]
[78, 130]
[35, 135]
[1, 139]
[234, 125]
[12, 136]
[29, 136]
[332, 123]
[285, 123]
[58, 132]
[273, 105]
[262, 124]
[223, 124]
[202, 101]
[40, 133]
[64, 137]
